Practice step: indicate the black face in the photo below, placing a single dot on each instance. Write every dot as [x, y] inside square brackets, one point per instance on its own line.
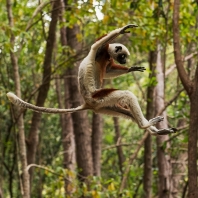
[122, 58]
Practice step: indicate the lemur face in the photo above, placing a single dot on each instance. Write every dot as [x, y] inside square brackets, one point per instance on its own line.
[118, 52]
[121, 58]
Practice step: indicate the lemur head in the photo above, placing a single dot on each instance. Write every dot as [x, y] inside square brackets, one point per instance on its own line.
[118, 52]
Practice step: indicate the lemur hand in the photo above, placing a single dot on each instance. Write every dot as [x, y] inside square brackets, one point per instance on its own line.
[123, 30]
[141, 69]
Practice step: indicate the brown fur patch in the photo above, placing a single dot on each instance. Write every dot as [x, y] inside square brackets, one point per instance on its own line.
[102, 93]
[103, 60]
[116, 66]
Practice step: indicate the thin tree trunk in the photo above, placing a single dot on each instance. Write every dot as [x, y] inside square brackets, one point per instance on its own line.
[67, 138]
[81, 125]
[164, 164]
[97, 129]
[147, 181]
[1, 166]
[121, 158]
[188, 85]
[18, 115]
[192, 91]
[179, 166]
[68, 133]
[130, 161]
[192, 141]
[42, 95]
[1, 192]
[66, 119]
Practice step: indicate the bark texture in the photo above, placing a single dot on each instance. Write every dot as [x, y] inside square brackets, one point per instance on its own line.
[191, 88]
[147, 180]
[97, 130]
[42, 95]
[81, 125]
[25, 191]
[68, 133]
[164, 163]
[120, 153]
[192, 141]
[68, 138]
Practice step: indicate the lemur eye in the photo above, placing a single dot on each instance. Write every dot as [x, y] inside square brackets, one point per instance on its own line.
[123, 56]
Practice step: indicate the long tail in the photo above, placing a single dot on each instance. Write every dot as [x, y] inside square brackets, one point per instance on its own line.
[19, 102]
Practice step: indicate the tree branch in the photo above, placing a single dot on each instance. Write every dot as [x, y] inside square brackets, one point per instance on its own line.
[170, 101]
[116, 145]
[131, 159]
[37, 10]
[47, 169]
[177, 50]
[179, 132]
[139, 86]
[173, 66]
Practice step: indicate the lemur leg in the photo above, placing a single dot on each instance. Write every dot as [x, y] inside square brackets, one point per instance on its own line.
[120, 112]
[115, 111]
[126, 100]
[125, 104]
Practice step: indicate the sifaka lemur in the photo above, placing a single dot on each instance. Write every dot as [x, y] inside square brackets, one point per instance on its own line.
[96, 66]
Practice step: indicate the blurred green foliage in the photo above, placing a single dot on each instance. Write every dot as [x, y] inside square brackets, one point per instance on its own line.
[30, 47]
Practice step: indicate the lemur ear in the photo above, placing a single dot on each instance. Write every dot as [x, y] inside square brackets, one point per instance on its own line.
[118, 48]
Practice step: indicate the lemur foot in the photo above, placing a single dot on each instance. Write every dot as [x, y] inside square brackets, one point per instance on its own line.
[166, 131]
[155, 120]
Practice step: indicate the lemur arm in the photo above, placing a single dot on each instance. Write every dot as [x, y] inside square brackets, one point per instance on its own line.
[113, 70]
[107, 39]
[115, 33]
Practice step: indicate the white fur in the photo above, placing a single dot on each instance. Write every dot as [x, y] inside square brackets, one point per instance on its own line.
[114, 54]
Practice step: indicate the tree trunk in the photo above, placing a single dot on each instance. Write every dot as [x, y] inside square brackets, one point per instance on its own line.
[66, 119]
[192, 141]
[25, 191]
[121, 158]
[42, 95]
[80, 119]
[67, 136]
[1, 167]
[147, 180]
[97, 129]
[192, 91]
[164, 164]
